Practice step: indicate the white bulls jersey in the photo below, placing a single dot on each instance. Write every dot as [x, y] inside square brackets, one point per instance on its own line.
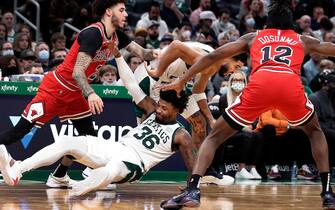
[151, 141]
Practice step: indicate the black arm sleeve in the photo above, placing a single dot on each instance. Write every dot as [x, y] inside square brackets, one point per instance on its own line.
[123, 38]
[90, 40]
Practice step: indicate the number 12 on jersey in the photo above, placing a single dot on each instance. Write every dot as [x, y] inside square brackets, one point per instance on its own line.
[281, 54]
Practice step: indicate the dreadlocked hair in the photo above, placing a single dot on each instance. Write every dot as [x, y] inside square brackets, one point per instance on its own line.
[180, 102]
[280, 15]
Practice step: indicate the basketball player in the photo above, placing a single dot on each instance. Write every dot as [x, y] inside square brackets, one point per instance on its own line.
[181, 54]
[157, 138]
[277, 53]
[62, 92]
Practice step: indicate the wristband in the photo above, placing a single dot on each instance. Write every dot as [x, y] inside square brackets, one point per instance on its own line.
[199, 96]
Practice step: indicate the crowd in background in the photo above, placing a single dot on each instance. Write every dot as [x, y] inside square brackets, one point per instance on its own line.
[155, 24]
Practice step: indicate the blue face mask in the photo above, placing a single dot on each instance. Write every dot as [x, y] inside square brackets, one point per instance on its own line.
[43, 55]
[7, 52]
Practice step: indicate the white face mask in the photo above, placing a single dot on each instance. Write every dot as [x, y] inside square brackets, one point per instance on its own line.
[7, 52]
[250, 22]
[237, 86]
[186, 35]
[43, 55]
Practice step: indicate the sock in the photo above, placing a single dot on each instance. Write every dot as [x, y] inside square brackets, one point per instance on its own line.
[325, 181]
[194, 182]
[60, 171]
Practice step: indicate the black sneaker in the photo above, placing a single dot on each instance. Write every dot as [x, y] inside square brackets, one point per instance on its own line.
[189, 198]
[328, 200]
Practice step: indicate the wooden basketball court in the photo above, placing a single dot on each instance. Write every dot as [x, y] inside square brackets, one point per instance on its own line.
[147, 196]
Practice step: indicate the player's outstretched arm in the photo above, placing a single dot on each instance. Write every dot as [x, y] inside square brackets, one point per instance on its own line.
[214, 58]
[313, 45]
[144, 54]
[175, 50]
[94, 101]
[184, 142]
[129, 80]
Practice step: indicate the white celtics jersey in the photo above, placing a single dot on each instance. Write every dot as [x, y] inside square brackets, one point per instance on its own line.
[151, 141]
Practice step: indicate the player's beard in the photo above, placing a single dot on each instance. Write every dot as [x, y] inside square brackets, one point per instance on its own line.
[116, 21]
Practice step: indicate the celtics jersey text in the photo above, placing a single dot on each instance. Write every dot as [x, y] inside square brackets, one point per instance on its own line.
[151, 141]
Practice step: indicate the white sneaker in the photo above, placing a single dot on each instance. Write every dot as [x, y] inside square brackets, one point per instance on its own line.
[225, 180]
[255, 174]
[87, 172]
[243, 174]
[11, 175]
[57, 182]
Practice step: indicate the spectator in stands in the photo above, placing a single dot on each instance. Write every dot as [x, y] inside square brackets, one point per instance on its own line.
[166, 40]
[257, 10]
[279, 136]
[59, 53]
[42, 52]
[9, 65]
[153, 15]
[8, 20]
[27, 58]
[223, 23]
[325, 64]
[195, 15]
[58, 41]
[318, 13]
[134, 61]
[251, 147]
[203, 31]
[59, 11]
[152, 40]
[171, 14]
[26, 29]
[304, 24]
[184, 31]
[34, 68]
[329, 36]
[311, 67]
[108, 75]
[141, 36]
[223, 38]
[324, 103]
[325, 26]
[83, 17]
[3, 33]
[22, 42]
[7, 49]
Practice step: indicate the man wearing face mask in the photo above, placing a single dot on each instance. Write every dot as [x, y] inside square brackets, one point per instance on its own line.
[62, 92]
[42, 53]
[7, 49]
[324, 104]
[223, 24]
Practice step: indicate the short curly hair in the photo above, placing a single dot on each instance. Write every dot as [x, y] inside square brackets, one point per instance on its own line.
[180, 102]
[99, 6]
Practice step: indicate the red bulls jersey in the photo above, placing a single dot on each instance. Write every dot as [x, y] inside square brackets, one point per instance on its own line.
[277, 50]
[64, 71]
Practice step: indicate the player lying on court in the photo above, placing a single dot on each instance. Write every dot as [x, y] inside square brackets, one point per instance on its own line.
[277, 53]
[151, 142]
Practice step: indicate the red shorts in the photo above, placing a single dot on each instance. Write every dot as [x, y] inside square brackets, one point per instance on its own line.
[54, 99]
[271, 90]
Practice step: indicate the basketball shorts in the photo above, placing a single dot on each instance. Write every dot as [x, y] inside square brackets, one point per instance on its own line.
[53, 99]
[270, 90]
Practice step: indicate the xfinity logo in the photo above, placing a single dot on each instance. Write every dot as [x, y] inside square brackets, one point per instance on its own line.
[110, 92]
[9, 88]
[28, 137]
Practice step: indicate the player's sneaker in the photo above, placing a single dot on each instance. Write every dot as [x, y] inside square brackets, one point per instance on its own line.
[243, 174]
[57, 182]
[88, 171]
[274, 173]
[255, 174]
[189, 198]
[11, 175]
[328, 200]
[305, 173]
[213, 177]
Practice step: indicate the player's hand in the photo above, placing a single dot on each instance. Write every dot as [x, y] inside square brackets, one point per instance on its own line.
[95, 103]
[116, 51]
[176, 85]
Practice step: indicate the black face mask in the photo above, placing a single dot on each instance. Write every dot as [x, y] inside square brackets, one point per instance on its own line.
[153, 36]
[10, 71]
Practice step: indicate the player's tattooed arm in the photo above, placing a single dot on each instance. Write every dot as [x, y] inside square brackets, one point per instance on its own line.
[83, 61]
[144, 54]
[183, 141]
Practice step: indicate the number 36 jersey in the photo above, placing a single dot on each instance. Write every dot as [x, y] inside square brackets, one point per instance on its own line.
[277, 50]
[151, 140]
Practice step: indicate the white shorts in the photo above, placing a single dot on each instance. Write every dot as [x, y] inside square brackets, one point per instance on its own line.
[100, 152]
[191, 108]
